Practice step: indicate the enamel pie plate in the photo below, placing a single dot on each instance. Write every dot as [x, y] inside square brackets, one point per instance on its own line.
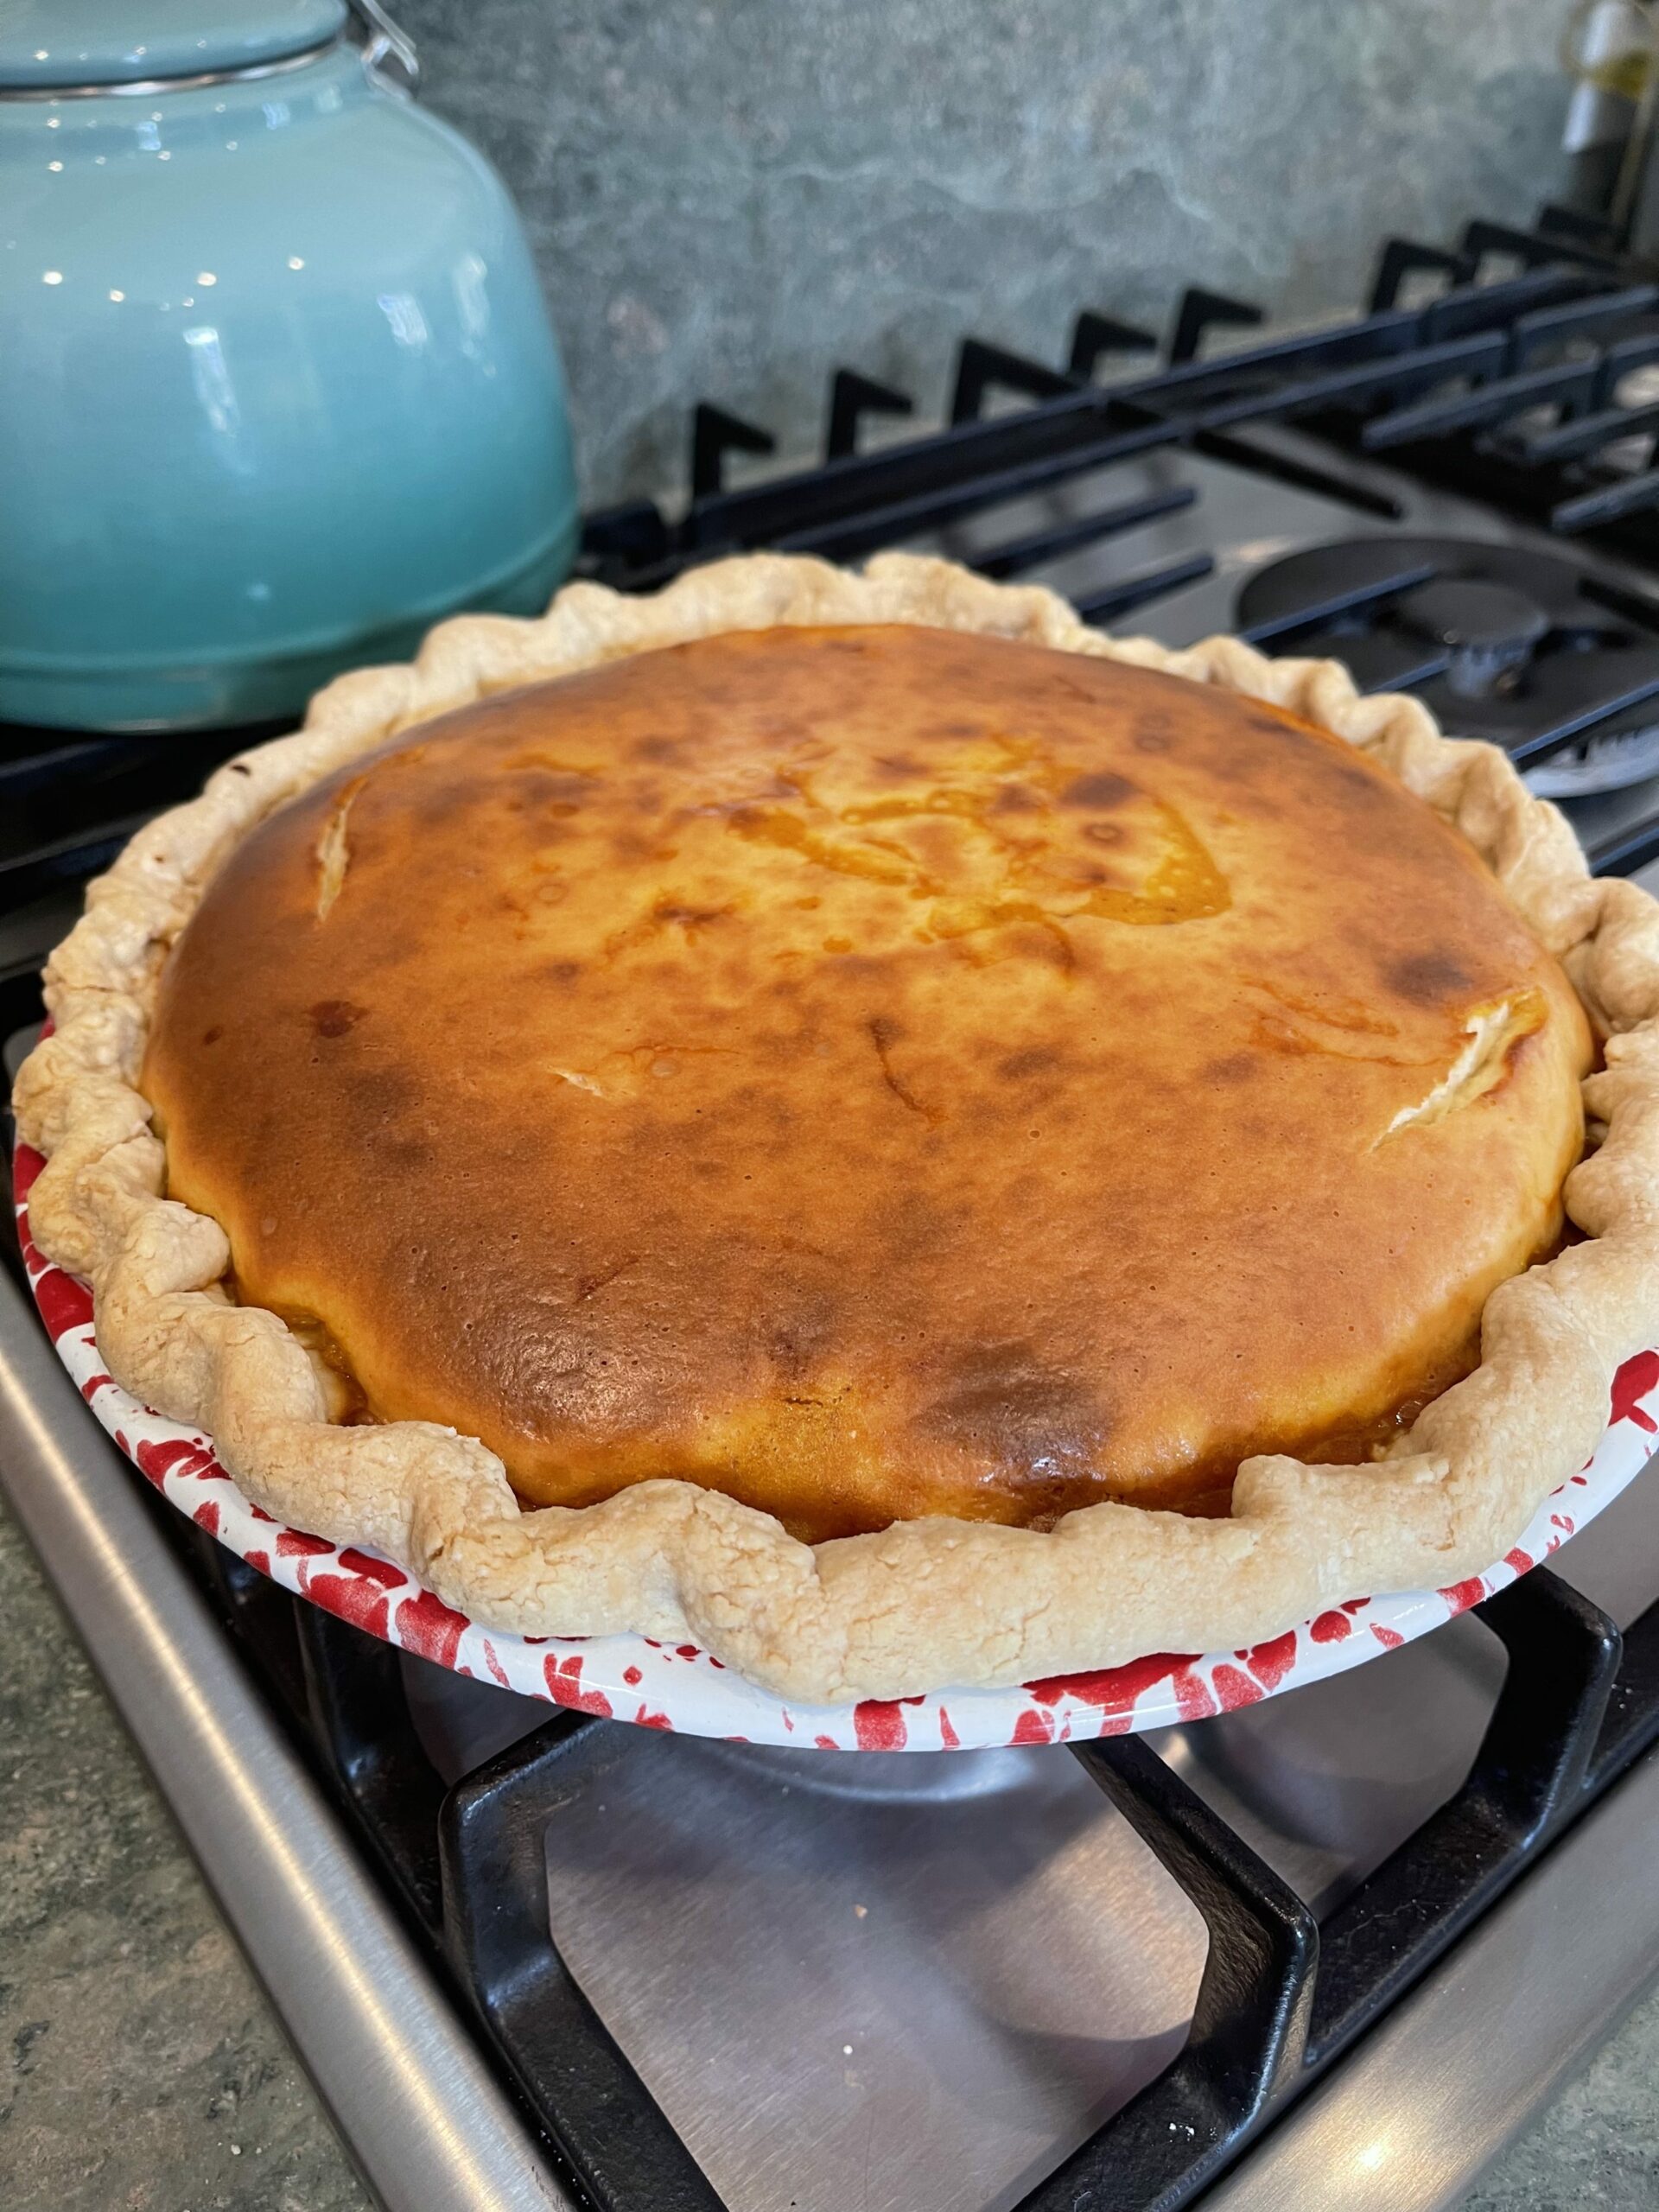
[678, 1686]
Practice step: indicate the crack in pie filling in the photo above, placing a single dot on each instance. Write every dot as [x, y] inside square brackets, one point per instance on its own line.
[873, 1072]
[854, 1121]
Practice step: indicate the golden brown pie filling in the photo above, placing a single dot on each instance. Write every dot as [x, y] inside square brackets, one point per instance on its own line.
[873, 1072]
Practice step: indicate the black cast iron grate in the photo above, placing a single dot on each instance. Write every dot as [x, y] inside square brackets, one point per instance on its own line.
[1508, 383]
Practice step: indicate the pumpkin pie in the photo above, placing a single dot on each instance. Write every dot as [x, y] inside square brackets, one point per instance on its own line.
[858, 1122]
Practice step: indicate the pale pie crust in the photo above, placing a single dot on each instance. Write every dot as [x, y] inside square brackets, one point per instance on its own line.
[924, 1604]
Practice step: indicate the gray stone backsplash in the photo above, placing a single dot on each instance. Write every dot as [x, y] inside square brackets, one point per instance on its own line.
[727, 200]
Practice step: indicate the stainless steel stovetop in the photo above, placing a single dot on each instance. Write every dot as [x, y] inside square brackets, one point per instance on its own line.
[903, 1983]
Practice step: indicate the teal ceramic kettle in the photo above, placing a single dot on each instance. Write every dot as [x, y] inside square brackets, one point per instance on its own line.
[277, 388]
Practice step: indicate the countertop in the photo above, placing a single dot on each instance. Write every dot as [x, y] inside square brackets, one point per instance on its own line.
[146, 2073]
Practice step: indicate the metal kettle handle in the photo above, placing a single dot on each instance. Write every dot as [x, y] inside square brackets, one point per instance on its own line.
[386, 43]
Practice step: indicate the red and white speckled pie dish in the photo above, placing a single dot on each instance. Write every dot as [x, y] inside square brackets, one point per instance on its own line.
[658, 1686]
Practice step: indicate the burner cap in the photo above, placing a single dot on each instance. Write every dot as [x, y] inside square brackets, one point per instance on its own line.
[1460, 611]
[1514, 643]
[1490, 629]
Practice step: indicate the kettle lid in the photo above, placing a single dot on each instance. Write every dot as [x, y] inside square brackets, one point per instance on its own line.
[49, 43]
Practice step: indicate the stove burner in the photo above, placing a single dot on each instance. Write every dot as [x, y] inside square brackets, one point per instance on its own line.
[1503, 642]
[1490, 630]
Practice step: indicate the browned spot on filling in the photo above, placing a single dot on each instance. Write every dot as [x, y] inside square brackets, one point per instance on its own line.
[1035, 1059]
[335, 1017]
[1231, 1067]
[1428, 978]
[1103, 789]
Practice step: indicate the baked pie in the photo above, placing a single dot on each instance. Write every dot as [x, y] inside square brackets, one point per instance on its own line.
[859, 1123]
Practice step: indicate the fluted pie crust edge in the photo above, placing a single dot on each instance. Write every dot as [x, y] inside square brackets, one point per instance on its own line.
[922, 1605]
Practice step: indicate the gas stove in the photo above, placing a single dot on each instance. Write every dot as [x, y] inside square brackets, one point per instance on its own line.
[1329, 1949]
